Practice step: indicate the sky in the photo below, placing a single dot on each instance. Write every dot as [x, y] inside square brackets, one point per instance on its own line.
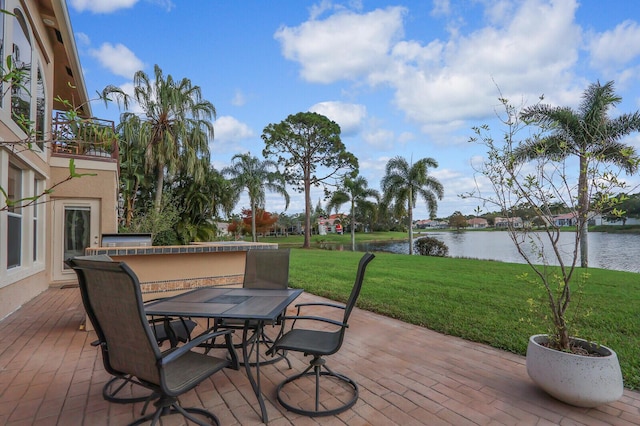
[404, 78]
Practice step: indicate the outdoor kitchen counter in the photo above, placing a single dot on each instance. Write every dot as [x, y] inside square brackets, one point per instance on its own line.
[177, 268]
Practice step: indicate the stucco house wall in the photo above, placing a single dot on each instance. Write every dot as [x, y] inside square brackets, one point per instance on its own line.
[48, 45]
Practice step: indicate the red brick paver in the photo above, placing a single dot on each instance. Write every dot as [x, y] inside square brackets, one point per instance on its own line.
[51, 375]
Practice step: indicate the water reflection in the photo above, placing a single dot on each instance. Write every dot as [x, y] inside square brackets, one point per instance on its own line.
[608, 251]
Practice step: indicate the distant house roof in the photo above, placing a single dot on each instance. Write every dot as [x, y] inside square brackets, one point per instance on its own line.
[503, 222]
[478, 221]
[339, 217]
[571, 215]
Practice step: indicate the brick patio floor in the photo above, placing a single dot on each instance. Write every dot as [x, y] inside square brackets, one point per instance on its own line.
[408, 375]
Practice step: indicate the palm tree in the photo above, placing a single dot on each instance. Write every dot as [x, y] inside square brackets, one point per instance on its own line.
[404, 182]
[356, 192]
[179, 125]
[255, 176]
[133, 180]
[588, 134]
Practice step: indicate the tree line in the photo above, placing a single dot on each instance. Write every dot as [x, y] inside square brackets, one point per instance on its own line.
[168, 186]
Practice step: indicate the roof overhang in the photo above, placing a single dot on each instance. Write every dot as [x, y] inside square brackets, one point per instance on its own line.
[68, 79]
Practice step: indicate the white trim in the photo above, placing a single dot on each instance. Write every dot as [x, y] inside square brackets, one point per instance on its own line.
[56, 245]
[28, 266]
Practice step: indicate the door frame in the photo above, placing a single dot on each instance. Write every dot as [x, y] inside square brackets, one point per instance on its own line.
[59, 273]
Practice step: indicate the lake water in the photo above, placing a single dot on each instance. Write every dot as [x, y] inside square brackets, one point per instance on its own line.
[608, 251]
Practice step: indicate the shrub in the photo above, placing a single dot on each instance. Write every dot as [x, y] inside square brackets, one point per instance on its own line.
[429, 246]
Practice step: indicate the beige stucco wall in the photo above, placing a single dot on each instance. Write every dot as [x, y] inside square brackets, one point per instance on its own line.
[101, 185]
[13, 296]
[57, 55]
[171, 267]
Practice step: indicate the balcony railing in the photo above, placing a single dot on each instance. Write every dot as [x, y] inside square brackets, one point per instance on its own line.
[85, 137]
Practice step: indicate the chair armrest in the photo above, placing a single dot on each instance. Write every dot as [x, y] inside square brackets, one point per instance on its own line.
[327, 304]
[314, 318]
[181, 350]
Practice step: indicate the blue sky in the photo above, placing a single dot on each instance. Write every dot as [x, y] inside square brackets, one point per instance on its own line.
[407, 78]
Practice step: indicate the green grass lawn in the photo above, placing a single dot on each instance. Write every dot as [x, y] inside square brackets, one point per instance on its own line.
[478, 300]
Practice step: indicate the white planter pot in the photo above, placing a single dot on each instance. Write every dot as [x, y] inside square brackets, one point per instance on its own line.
[578, 380]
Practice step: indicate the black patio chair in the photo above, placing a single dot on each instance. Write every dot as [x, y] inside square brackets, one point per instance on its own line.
[264, 269]
[320, 343]
[174, 330]
[113, 301]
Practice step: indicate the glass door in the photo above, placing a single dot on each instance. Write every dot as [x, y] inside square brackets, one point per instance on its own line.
[76, 227]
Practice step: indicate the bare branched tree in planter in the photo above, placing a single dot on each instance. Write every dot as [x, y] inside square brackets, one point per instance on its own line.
[539, 183]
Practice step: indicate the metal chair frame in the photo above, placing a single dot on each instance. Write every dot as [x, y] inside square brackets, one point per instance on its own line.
[160, 372]
[320, 343]
[263, 269]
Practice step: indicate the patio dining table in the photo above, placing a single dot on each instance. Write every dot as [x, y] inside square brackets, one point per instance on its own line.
[253, 306]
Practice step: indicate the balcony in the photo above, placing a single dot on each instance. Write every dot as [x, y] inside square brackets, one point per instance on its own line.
[90, 138]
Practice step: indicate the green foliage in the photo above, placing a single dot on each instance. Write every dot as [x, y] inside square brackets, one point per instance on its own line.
[175, 127]
[457, 220]
[429, 246]
[159, 223]
[256, 177]
[354, 191]
[200, 203]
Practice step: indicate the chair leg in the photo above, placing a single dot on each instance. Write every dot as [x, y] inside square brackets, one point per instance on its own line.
[318, 365]
[167, 406]
[110, 391]
[275, 356]
[252, 343]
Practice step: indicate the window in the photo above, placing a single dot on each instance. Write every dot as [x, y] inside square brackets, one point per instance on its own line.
[38, 187]
[21, 56]
[14, 223]
[41, 105]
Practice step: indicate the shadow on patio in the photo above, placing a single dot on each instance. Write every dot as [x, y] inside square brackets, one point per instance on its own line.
[51, 375]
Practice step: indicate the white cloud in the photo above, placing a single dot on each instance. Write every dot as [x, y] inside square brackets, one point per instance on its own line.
[108, 6]
[101, 6]
[239, 99]
[134, 107]
[318, 9]
[230, 130]
[83, 39]
[615, 47]
[455, 184]
[405, 137]
[346, 45]
[348, 116]
[118, 59]
[441, 8]
[165, 4]
[529, 48]
[380, 139]
[372, 169]
[459, 83]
